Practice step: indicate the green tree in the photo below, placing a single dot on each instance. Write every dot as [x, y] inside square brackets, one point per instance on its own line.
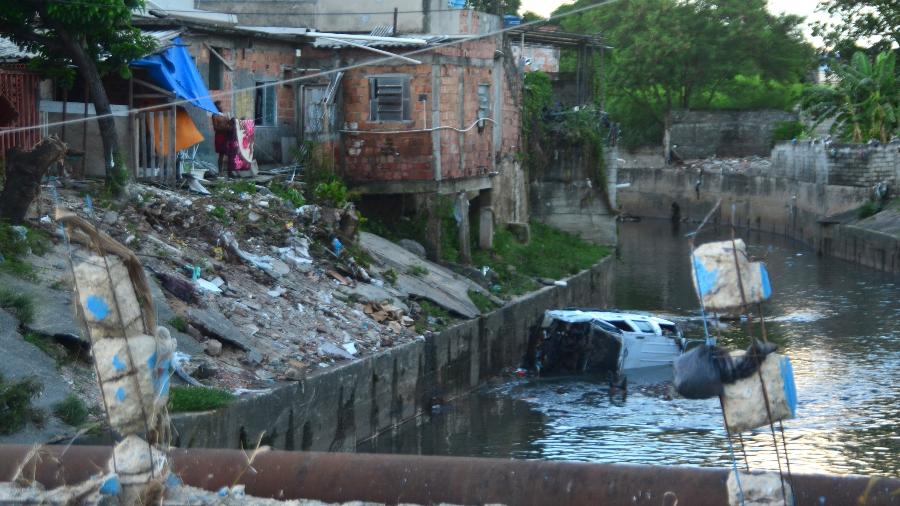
[529, 16]
[90, 37]
[495, 6]
[671, 54]
[865, 101]
[870, 21]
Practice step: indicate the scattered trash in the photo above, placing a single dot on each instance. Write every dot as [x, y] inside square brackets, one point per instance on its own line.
[336, 246]
[207, 285]
[349, 348]
[276, 292]
[561, 282]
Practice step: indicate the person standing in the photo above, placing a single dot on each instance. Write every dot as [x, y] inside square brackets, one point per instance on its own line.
[223, 126]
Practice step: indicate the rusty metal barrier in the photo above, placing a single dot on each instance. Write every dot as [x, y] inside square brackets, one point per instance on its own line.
[392, 479]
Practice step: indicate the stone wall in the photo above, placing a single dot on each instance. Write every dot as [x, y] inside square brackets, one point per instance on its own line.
[336, 409]
[565, 195]
[701, 134]
[805, 184]
[834, 164]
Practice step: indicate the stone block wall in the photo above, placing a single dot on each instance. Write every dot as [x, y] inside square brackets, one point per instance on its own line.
[701, 134]
[837, 164]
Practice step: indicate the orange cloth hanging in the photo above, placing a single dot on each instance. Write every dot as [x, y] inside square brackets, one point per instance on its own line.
[186, 133]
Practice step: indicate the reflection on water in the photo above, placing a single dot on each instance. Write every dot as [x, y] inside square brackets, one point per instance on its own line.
[839, 323]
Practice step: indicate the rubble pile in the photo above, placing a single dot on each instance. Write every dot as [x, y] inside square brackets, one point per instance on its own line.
[260, 291]
[728, 165]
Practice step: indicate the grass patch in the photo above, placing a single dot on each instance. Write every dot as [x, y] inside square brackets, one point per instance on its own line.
[481, 301]
[390, 276]
[551, 254]
[441, 316]
[868, 209]
[178, 323]
[188, 399]
[49, 346]
[221, 215]
[15, 246]
[20, 305]
[417, 271]
[15, 404]
[71, 410]
[288, 194]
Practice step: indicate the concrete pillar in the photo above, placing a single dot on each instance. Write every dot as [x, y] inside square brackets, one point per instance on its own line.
[433, 228]
[485, 220]
[462, 209]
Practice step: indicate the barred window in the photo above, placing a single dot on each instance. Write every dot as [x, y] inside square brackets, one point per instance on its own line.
[389, 98]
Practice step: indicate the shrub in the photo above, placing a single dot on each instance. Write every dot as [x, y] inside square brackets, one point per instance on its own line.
[71, 410]
[787, 130]
[15, 404]
[189, 398]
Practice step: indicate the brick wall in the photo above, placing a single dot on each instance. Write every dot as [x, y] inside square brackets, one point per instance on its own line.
[460, 70]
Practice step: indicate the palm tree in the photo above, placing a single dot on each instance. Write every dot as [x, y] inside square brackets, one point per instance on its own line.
[865, 101]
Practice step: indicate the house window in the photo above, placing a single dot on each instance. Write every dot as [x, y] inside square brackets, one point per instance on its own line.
[389, 98]
[216, 69]
[484, 101]
[265, 104]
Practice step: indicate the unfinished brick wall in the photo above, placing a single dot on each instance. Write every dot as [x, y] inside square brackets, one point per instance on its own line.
[841, 165]
[411, 156]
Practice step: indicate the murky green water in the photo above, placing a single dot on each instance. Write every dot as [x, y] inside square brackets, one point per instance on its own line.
[839, 323]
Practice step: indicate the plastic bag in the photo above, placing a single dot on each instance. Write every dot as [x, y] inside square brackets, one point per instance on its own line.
[697, 373]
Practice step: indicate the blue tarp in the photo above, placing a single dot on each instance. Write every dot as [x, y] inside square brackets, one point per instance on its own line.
[174, 70]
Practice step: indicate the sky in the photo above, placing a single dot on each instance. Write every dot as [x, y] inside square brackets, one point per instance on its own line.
[805, 8]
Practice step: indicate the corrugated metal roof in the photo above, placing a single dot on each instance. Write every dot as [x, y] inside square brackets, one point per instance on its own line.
[274, 30]
[9, 50]
[163, 38]
[333, 44]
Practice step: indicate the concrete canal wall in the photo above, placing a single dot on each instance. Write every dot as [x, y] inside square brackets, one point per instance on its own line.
[334, 409]
[810, 193]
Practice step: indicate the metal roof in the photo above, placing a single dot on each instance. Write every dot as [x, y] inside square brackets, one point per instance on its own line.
[533, 34]
[9, 50]
[274, 30]
[377, 41]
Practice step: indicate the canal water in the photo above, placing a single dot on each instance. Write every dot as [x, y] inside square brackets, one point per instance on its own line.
[839, 323]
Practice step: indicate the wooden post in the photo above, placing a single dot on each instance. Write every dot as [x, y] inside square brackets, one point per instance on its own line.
[173, 162]
[132, 130]
[64, 111]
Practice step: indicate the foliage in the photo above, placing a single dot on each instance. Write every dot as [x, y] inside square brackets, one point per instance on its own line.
[71, 410]
[877, 21]
[14, 248]
[15, 404]
[865, 102]
[102, 27]
[551, 253]
[288, 194]
[178, 323]
[536, 103]
[868, 209]
[390, 276]
[679, 54]
[188, 398]
[19, 304]
[481, 301]
[440, 316]
[332, 193]
[787, 130]
[221, 215]
[743, 92]
[529, 16]
[493, 6]
[239, 187]
[417, 271]
[415, 227]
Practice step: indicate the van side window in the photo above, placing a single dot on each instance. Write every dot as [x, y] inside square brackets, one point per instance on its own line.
[621, 324]
[643, 326]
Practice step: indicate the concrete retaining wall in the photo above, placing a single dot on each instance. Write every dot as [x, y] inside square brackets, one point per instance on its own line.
[335, 409]
[700, 134]
[780, 205]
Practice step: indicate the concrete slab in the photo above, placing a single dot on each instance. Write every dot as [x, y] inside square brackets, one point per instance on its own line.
[215, 324]
[54, 312]
[437, 284]
[27, 360]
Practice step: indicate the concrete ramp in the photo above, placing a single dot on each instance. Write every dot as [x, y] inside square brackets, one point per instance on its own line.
[420, 278]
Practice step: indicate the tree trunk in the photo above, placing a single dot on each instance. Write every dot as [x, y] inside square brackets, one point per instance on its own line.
[24, 172]
[87, 69]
